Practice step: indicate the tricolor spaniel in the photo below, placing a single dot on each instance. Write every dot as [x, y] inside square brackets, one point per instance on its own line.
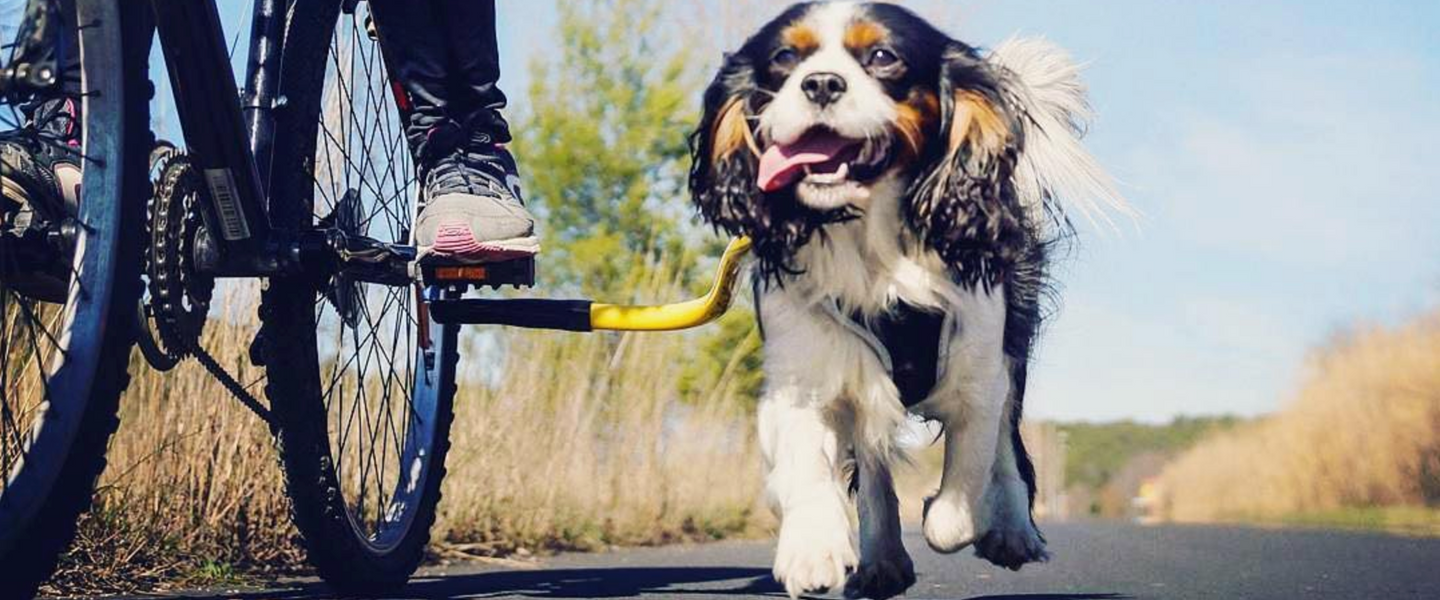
[903, 192]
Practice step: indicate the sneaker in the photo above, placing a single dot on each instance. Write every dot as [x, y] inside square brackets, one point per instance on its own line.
[39, 188]
[40, 178]
[474, 212]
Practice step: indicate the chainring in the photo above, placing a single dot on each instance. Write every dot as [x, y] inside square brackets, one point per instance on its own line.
[179, 298]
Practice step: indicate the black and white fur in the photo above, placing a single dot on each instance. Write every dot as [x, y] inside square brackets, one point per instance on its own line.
[957, 222]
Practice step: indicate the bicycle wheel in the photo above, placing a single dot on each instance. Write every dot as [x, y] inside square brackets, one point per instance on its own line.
[69, 281]
[360, 381]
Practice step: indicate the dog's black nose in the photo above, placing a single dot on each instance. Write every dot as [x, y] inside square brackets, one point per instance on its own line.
[823, 88]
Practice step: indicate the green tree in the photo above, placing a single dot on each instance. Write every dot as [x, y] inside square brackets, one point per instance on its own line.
[604, 143]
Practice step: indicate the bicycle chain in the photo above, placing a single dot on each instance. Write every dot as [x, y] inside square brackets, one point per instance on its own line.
[179, 297]
[231, 384]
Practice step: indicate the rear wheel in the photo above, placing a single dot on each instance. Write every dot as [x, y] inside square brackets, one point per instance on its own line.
[360, 380]
[69, 282]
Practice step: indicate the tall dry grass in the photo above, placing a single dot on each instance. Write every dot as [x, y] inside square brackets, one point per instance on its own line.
[1362, 431]
[585, 441]
[559, 441]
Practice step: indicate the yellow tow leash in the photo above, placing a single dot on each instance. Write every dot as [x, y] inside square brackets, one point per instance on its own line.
[681, 315]
[581, 315]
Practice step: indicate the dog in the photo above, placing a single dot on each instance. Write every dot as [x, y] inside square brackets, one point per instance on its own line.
[904, 192]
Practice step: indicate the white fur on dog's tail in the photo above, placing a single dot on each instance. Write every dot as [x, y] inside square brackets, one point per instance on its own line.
[1055, 166]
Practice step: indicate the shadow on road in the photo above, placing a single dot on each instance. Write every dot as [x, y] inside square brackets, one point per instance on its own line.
[594, 583]
[560, 583]
[1054, 597]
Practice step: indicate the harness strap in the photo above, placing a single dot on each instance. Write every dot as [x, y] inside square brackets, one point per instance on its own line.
[912, 344]
[908, 341]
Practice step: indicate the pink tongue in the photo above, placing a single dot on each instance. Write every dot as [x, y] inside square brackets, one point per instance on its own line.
[782, 165]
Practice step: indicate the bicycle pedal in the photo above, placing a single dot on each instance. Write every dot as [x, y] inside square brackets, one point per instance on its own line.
[519, 273]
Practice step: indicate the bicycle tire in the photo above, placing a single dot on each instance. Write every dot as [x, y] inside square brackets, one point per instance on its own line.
[345, 552]
[53, 484]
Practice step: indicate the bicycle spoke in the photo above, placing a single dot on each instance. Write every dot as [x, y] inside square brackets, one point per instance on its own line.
[11, 423]
[368, 385]
[27, 347]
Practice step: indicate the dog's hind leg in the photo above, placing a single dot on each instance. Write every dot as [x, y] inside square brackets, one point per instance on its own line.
[803, 450]
[885, 568]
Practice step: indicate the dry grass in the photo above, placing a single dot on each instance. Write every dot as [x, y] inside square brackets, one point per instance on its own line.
[585, 442]
[193, 487]
[1363, 431]
[560, 441]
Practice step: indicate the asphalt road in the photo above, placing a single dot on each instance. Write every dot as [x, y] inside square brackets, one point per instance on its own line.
[1092, 561]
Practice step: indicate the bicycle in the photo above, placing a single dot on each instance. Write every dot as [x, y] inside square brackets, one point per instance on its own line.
[304, 181]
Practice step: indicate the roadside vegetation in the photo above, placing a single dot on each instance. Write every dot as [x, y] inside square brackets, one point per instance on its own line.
[1107, 463]
[1358, 445]
[560, 441]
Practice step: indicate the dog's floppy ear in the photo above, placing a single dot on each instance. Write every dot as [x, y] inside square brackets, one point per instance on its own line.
[964, 205]
[723, 150]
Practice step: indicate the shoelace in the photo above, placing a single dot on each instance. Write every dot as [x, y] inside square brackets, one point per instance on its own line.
[468, 172]
[51, 129]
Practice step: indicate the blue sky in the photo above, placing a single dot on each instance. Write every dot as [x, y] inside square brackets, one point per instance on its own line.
[1283, 155]
[1279, 152]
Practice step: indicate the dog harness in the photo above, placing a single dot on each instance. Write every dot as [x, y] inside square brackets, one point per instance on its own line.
[910, 342]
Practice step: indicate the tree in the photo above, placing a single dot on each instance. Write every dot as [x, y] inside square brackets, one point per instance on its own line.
[605, 147]
[604, 143]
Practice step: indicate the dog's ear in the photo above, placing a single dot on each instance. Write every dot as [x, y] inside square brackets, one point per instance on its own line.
[964, 205]
[724, 152]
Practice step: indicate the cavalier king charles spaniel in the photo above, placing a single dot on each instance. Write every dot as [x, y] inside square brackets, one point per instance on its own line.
[904, 192]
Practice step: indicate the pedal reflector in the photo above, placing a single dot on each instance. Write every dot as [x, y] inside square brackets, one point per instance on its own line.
[467, 273]
[519, 273]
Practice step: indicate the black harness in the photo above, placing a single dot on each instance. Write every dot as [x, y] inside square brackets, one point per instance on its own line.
[909, 341]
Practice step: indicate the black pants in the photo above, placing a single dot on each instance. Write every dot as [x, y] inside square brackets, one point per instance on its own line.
[446, 57]
[443, 52]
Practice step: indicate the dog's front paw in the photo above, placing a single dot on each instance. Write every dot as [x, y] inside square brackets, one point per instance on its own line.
[881, 579]
[815, 551]
[1012, 546]
[949, 524]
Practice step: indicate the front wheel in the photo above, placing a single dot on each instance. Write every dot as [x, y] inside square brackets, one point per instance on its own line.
[69, 276]
[360, 379]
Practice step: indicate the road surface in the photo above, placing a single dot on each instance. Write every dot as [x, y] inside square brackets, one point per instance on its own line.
[1093, 561]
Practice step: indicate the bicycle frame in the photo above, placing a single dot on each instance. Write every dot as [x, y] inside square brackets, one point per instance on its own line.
[231, 138]
[226, 144]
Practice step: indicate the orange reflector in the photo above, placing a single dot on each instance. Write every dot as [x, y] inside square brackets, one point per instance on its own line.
[465, 273]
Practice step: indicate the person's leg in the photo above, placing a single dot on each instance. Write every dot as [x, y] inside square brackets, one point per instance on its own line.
[420, 60]
[473, 211]
[470, 30]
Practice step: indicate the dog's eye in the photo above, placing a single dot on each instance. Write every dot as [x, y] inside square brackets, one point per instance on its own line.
[881, 58]
[785, 58]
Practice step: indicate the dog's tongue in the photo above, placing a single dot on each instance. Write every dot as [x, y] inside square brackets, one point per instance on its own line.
[781, 165]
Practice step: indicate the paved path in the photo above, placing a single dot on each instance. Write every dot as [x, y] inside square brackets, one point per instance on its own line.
[1093, 561]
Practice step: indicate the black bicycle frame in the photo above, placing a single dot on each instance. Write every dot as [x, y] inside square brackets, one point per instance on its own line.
[231, 138]
[217, 132]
